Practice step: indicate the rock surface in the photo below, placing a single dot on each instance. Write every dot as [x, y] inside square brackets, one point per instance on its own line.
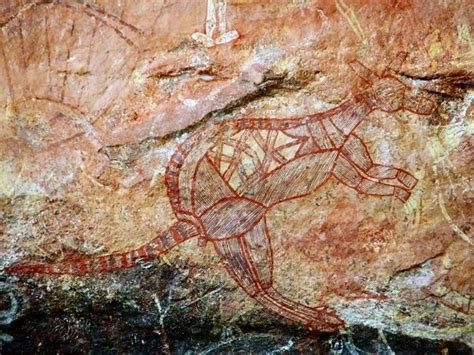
[95, 97]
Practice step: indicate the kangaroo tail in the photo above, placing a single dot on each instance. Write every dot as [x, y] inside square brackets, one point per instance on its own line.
[176, 234]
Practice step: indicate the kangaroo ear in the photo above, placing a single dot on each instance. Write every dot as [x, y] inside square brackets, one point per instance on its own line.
[362, 71]
[396, 64]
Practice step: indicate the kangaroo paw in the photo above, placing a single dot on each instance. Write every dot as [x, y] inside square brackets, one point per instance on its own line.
[402, 194]
[409, 181]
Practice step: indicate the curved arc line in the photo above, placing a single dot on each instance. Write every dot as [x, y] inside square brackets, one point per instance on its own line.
[114, 24]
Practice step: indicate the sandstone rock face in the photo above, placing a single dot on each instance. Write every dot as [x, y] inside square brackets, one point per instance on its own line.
[320, 150]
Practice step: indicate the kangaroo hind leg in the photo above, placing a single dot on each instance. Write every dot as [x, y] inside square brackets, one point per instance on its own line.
[249, 261]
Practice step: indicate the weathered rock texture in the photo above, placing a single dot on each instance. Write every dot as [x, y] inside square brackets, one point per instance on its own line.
[95, 96]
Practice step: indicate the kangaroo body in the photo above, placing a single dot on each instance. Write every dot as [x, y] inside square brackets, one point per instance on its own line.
[223, 179]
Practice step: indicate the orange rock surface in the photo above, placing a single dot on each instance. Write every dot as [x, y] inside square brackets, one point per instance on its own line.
[95, 97]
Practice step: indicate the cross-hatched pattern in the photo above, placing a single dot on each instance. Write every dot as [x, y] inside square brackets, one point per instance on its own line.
[252, 154]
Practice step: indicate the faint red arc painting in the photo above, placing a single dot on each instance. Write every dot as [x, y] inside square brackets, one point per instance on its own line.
[223, 179]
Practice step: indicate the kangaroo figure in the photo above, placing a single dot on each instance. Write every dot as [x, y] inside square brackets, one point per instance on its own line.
[223, 179]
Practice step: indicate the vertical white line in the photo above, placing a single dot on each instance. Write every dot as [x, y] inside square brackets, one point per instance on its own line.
[211, 18]
[221, 8]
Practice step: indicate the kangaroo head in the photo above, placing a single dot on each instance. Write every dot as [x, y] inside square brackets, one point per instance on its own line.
[387, 93]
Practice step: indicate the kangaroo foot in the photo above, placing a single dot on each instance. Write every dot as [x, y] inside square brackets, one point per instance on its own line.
[319, 319]
[326, 322]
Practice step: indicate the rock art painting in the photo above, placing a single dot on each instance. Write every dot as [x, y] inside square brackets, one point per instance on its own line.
[222, 181]
[286, 176]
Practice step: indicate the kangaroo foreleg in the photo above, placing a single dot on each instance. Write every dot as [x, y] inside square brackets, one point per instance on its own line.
[351, 176]
[384, 172]
[357, 153]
